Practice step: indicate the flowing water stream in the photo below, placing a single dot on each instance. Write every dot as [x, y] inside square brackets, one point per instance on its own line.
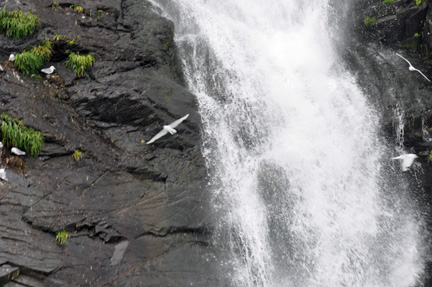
[303, 184]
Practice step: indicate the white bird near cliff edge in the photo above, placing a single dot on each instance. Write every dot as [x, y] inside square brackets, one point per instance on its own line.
[49, 70]
[12, 57]
[3, 174]
[407, 160]
[17, 151]
[168, 129]
[411, 67]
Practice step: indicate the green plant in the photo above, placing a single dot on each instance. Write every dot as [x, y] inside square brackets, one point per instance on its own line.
[99, 12]
[57, 37]
[77, 155]
[77, 8]
[17, 25]
[62, 236]
[55, 5]
[30, 61]
[418, 2]
[79, 63]
[71, 42]
[416, 35]
[429, 158]
[14, 133]
[387, 1]
[369, 22]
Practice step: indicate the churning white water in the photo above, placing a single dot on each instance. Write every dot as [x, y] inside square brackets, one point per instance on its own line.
[299, 175]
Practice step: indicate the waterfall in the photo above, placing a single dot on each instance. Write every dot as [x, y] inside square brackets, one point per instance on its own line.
[300, 178]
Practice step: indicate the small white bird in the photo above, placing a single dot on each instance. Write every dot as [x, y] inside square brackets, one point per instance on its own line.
[17, 151]
[411, 67]
[168, 129]
[3, 174]
[49, 70]
[1, 145]
[407, 160]
[12, 57]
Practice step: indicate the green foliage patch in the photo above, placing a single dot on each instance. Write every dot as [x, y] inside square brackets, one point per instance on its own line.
[77, 155]
[62, 236]
[30, 61]
[17, 25]
[369, 21]
[77, 8]
[79, 63]
[388, 1]
[14, 133]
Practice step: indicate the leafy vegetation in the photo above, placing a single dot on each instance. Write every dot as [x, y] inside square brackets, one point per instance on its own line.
[17, 25]
[77, 155]
[388, 1]
[30, 61]
[77, 8]
[416, 35]
[429, 158]
[79, 63]
[62, 236]
[369, 22]
[418, 2]
[55, 5]
[99, 12]
[14, 133]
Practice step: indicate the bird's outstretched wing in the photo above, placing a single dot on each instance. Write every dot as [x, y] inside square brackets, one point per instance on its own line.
[164, 131]
[157, 136]
[422, 74]
[404, 59]
[177, 122]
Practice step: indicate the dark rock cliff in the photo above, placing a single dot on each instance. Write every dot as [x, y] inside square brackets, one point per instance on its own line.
[137, 214]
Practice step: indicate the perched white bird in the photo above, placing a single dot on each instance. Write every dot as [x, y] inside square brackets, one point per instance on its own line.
[12, 57]
[17, 151]
[407, 160]
[1, 145]
[411, 67]
[3, 174]
[49, 70]
[168, 129]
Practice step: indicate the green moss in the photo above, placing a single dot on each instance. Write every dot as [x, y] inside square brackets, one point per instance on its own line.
[79, 63]
[416, 35]
[17, 25]
[14, 133]
[62, 236]
[418, 2]
[77, 155]
[30, 61]
[369, 22]
[77, 8]
[388, 1]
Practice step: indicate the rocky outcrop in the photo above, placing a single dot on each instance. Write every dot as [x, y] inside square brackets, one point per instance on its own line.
[137, 214]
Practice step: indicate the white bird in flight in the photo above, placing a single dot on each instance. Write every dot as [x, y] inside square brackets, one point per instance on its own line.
[407, 160]
[168, 129]
[49, 70]
[17, 151]
[411, 67]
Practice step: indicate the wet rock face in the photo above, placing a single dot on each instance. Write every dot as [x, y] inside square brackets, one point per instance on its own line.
[137, 214]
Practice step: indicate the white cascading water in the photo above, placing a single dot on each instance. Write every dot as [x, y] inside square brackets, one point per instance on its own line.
[299, 175]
